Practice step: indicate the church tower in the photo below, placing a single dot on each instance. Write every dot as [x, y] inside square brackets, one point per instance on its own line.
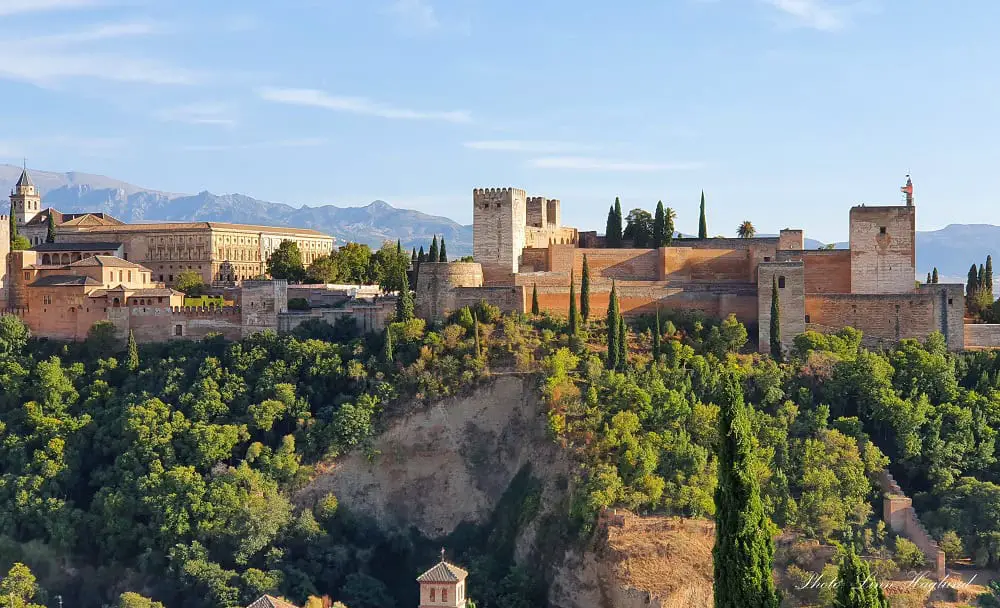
[25, 199]
[443, 586]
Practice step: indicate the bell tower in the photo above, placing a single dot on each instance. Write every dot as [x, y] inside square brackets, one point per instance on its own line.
[443, 586]
[25, 200]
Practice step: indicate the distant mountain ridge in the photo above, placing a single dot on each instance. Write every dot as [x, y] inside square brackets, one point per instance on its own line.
[372, 224]
[951, 249]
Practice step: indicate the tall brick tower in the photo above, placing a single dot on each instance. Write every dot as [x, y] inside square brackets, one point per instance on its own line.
[499, 218]
[25, 199]
[443, 586]
[884, 247]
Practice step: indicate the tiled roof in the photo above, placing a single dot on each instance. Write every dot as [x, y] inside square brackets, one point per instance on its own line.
[104, 260]
[267, 601]
[152, 292]
[64, 280]
[443, 573]
[25, 179]
[76, 247]
[89, 220]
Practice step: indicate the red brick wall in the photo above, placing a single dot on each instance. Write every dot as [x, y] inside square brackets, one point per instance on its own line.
[827, 271]
[534, 260]
[637, 300]
[686, 264]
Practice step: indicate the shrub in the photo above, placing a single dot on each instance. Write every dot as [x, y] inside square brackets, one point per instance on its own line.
[908, 555]
[298, 304]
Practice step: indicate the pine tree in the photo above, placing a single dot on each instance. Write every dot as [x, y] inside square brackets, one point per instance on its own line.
[432, 255]
[619, 225]
[660, 226]
[443, 257]
[50, 234]
[475, 329]
[775, 335]
[534, 299]
[934, 275]
[613, 314]
[622, 342]
[989, 275]
[387, 354]
[574, 317]
[656, 336]
[856, 588]
[702, 222]
[404, 302]
[585, 291]
[744, 549]
[133, 353]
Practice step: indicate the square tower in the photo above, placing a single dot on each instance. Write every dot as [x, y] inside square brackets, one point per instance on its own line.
[788, 278]
[883, 249]
[25, 199]
[499, 218]
[443, 586]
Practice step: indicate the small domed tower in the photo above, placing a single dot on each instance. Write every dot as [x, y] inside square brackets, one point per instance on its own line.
[443, 586]
[25, 199]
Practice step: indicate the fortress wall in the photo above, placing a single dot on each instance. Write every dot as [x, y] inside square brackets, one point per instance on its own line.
[702, 264]
[791, 300]
[509, 299]
[150, 324]
[607, 264]
[437, 283]
[827, 270]
[551, 235]
[982, 336]
[883, 249]
[369, 317]
[534, 259]
[884, 318]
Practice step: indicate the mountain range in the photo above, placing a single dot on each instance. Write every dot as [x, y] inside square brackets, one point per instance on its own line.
[951, 249]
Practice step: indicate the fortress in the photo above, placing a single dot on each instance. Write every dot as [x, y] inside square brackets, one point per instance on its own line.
[520, 245]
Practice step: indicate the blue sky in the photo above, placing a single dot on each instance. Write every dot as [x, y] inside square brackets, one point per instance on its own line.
[785, 111]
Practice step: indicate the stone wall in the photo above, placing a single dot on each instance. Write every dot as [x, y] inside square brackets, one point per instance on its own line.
[901, 517]
[535, 259]
[370, 316]
[437, 283]
[4, 250]
[979, 336]
[826, 270]
[883, 249]
[687, 264]
[261, 303]
[552, 235]
[535, 212]
[791, 240]
[790, 277]
[499, 220]
[151, 324]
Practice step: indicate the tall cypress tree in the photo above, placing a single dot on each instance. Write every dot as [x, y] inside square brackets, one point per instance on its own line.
[132, 363]
[475, 329]
[50, 232]
[609, 230]
[574, 317]
[659, 226]
[399, 247]
[622, 342]
[619, 224]
[432, 256]
[934, 275]
[443, 257]
[585, 290]
[989, 275]
[775, 335]
[972, 284]
[612, 320]
[668, 223]
[421, 256]
[13, 223]
[656, 336]
[387, 355]
[404, 302]
[928, 278]
[413, 256]
[744, 550]
[702, 221]
[534, 298]
[856, 588]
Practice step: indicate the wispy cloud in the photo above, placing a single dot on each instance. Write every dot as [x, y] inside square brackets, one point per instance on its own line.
[357, 105]
[582, 163]
[535, 147]
[414, 15]
[106, 31]
[823, 15]
[305, 142]
[203, 113]
[14, 7]
[82, 145]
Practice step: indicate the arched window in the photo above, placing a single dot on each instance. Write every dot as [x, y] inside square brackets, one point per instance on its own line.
[65, 258]
[116, 304]
[46, 259]
[781, 282]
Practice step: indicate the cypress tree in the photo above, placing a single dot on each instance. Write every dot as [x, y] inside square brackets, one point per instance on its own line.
[972, 284]
[928, 278]
[50, 233]
[399, 247]
[413, 256]
[421, 256]
[13, 223]
[432, 256]
[659, 226]
[404, 302]
[612, 360]
[619, 225]
[133, 352]
[574, 318]
[475, 329]
[609, 230]
[744, 550]
[934, 275]
[585, 291]
[387, 354]
[622, 342]
[702, 222]
[981, 280]
[443, 257]
[775, 335]
[855, 586]
[989, 274]
[656, 336]
[534, 298]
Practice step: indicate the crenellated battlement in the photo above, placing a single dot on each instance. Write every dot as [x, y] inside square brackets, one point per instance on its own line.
[214, 311]
[495, 191]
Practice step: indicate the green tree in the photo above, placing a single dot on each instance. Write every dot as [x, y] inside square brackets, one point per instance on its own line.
[856, 588]
[404, 301]
[618, 221]
[668, 232]
[101, 341]
[702, 221]
[981, 278]
[775, 333]
[432, 255]
[364, 591]
[746, 230]
[638, 228]
[130, 599]
[285, 262]
[972, 283]
[475, 333]
[622, 342]
[989, 275]
[413, 256]
[389, 267]
[744, 548]
[613, 231]
[421, 256]
[387, 346]
[657, 333]
[951, 544]
[443, 256]
[132, 362]
[574, 316]
[13, 222]
[534, 298]
[934, 274]
[324, 269]
[659, 226]
[18, 588]
[613, 329]
[585, 290]
[191, 283]
[14, 334]
[354, 263]
[50, 228]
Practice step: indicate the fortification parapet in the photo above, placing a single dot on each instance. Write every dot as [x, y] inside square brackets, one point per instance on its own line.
[436, 284]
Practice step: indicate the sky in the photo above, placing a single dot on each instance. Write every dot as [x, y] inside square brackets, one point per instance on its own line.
[785, 112]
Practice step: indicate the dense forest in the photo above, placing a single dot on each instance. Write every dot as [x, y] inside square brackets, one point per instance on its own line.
[169, 471]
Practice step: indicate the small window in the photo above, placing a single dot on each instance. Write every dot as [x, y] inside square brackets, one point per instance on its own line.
[949, 302]
[781, 282]
[27, 276]
[767, 258]
[444, 595]
[854, 308]
[433, 594]
[881, 229]
[897, 307]
[178, 330]
[807, 318]
[170, 277]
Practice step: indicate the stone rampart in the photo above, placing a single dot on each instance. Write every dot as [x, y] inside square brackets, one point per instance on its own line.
[437, 284]
[883, 249]
[826, 270]
[982, 336]
[369, 316]
[901, 517]
[790, 280]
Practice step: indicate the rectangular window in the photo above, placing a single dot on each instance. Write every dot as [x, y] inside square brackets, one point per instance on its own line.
[949, 302]
[170, 277]
[781, 282]
[444, 595]
[178, 330]
[881, 229]
[27, 276]
[807, 318]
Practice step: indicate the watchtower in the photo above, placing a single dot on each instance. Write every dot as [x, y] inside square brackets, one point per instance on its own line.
[499, 218]
[884, 247]
[25, 199]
